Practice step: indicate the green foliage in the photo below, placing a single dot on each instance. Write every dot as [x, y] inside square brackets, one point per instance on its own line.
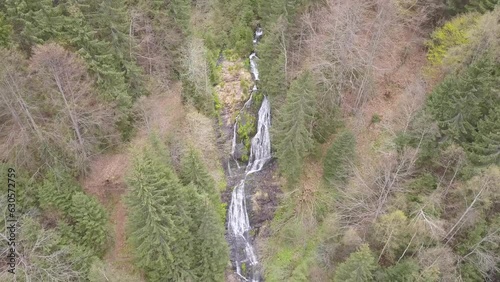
[196, 78]
[269, 11]
[391, 231]
[464, 107]
[293, 253]
[292, 128]
[45, 257]
[272, 61]
[461, 6]
[98, 32]
[481, 6]
[326, 122]
[180, 11]
[233, 26]
[405, 271]
[486, 146]
[158, 220]
[477, 243]
[359, 267]
[89, 223]
[423, 184]
[470, 273]
[175, 230]
[241, 38]
[211, 250]
[193, 171]
[376, 118]
[112, 24]
[338, 158]
[57, 190]
[86, 218]
[5, 31]
[453, 33]
[33, 22]
[247, 127]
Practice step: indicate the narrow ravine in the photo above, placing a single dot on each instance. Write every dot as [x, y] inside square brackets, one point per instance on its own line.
[242, 251]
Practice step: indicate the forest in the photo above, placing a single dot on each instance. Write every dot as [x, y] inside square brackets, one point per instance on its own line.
[249, 140]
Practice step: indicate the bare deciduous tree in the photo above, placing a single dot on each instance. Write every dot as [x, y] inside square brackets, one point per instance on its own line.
[20, 113]
[77, 122]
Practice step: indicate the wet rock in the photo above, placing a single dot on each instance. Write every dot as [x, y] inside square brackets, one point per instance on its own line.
[239, 151]
[264, 191]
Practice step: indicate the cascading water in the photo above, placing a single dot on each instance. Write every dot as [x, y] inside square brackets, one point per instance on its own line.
[253, 66]
[260, 153]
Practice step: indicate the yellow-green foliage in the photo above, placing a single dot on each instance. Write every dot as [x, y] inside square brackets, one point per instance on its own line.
[453, 33]
[484, 40]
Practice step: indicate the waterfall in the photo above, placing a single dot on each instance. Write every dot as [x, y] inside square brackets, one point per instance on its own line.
[253, 66]
[260, 151]
[238, 223]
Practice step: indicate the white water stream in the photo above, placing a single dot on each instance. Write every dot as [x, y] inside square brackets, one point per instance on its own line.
[260, 153]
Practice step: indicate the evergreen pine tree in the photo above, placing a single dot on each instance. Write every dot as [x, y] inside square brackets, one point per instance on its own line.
[293, 127]
[180, 11]
[33, 22]
[460, 102]
[481, 6]
[212, 253]
[90, 222]
[404, 271]
[269, 11]
[57, 190]
[5, 31]
[109, 20]
[359, 267]
[340, 153]
[159, 222]
[193, 171]
[486, 146]
[271, 63]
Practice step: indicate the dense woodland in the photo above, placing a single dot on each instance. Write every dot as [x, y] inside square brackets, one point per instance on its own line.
[385, 131]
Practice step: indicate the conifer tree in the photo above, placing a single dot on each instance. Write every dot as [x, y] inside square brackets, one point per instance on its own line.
[481, 6]
[180, 11]
[193, 171]
[293, 127]
[359, 267]
[272, 64]
[340, 153]
[109, 20]
[486, 146]
[271, 10]
[212, 253]
[5, 31]
[404, 271]
[90, 222]
[33, 22]
[460, 102]
[57, 190]
[159, 223]
[210, 250]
